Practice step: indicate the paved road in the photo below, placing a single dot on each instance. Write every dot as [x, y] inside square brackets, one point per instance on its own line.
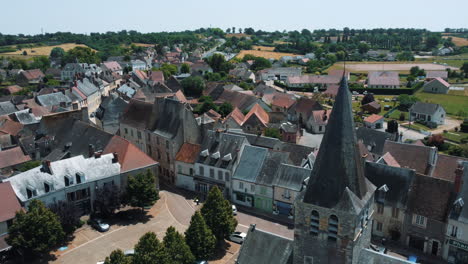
[173, 209]
[212, 50]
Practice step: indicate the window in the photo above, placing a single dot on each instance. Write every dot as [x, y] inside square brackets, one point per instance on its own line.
[131, 132]
[168, 158]
[179, 168]
[332, 228]
[263, 190]
[395, 212]
[167, 144]
[212, 174]
[241, 185]
[419, 220]
[191, 171]
[126, 131]
[252, 188]
[286, 194]
[308, 260]
[139, 134]
[320, 128]
[220, 175]
[454, 231]
[67, 181]
[46, 187]
[226, 176]
[80, 177]
[201, 171]
[379, 226]
[29, 193]
[380, 208]
[314, 223]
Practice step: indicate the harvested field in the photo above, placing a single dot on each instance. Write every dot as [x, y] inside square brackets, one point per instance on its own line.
[460, 42]
[143, 45]
[263, 48]
[364, 67]
[44, 50]
[264, 54]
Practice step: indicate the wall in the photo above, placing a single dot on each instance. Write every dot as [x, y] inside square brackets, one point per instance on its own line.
[278, 195]
[131, 134]
[434, 230]
[184, 177]
[388, 222]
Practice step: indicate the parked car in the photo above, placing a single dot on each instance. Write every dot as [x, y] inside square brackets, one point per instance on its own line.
[238, 237]
[201, 262]
[234, 210]
[129, 252]
[100, 225]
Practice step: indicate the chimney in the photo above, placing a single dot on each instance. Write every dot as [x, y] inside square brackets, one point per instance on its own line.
[252, 227]
[458, 177]
[97, 154]
[30, 110]
[46, 166]
[90, 150]
[116, 157]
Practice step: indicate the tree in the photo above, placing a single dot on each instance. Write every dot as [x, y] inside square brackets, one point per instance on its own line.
[193, 85]
[35, 232]
[464, 126]
[150, 250]
[225, 109]
[108, 200]
[178, 250]
[464, 68]
[432, 41]
[405, 56]
[117, 257]
[260, 63]
[68, 216]
[363, 48]
[199, 238]
[41, 62]
[392, 127]
[414, 70]
[25, 53]
[82, 55]
[218, 63]
[57, 52]
[141, 190]
[217, 212]
[272, 132]
[368, 98]
[406, 101]
[436, 141]
[185, 68]
[168, 70]
[29, 165]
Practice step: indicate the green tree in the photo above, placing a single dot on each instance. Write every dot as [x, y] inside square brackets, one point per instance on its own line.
[29, 165]
[193, 85]
[185, 68]
[432, 41]
[82, 55]
[57, 52]
[363, 48]
[225, 109]
[150, 250]
[117, 257]
[176, 247]
[68, 215]
[168, 70]
[405, 56]
[108, 200]
[464, 68]
[35, 232]
[217, 212]
[406, 101]
[260, 63]
[414, 70]
[141, 190]
[41, 62]
[218, 63]
[272, 132]
[199, 238]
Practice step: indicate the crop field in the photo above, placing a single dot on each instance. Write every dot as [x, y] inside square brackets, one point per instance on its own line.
[453, 60]
[44, 50]
[460, 42]
[452, 104]
[143, 45]
[237, 35]
[401, 67]
[264, 54]
[263, 48]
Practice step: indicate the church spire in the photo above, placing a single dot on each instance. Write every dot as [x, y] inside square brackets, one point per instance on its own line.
[338, 165]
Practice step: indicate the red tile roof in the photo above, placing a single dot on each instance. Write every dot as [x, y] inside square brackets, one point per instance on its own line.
[10, 127]
[213, 114]
[282, 100]
[237, 115]
[32, 74]
[14, 89]
[141, 74]
[446, 166]
[319, 116]
[157, 76]
[12, 157]
[130, 157]
[390, 160]
[373, 118]
[112, 65]
[332, 90]
[261, 114]
[10, 204]
[188, 153]
[410, 156]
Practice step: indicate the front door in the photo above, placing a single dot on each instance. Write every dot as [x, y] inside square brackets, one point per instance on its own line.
[435, 247]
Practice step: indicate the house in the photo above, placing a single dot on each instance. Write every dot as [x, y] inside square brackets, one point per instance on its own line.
[140, 77]
[256, 120]
[373, 140]
[185, 165]
[71, 70]
[112, 66]
[8, 209]
[427, 112]
[156, 77]
[243, 74]
[12, 89]
[437, 85]
[234, 119]
[444, 51]
[280, 73]
[75, 180]
[289, 181]
[109, 112]
[384, 79]
[289, 132]
[318, 121]
[200, 68]
[11, 159]
[126, 91]
[281, 102]
[133, 124]
[374, 121]
[301, 111]
[313, 80]
[7, 108]
[87, 93]
[30, 77]
[138, 65]
[372, 107]
[437, 74]
[54, 99]
[245, 176]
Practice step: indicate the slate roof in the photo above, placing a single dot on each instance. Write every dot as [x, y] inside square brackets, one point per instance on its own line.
[398, 180]
[12, 157]
[137, 114]
[240, 100]
[170, 117]
[338, 156]
[306, 106]
[7, 108]
[441, 81]
[437, 74]
[86, 87]
[127, 90]
[374, 138]
[462, 216]
[174, 84]
[383, 78]
[297, 153]
[250, 163]
[188, 153]
[129, 156]
[270, 166]
[425, 108]
[261, 247]
[259, 141]
[411, 156]
[224, 144]
[25, 117]
[291, 177]
[446, 166]
[53, 99]
[9, 205]
[111, 109]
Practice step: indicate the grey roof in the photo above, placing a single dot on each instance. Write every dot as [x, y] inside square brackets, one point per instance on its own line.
[261, 247]
[53, 99]
[338, 166]
[170, 117]
[297, 153]
[7, 108]
[424, 108]
[398, 181]
[224, 144]
[26, 118]
[87, 87]
[462, 216]
[374, 138]
[291, 177]
[259, 141]
[110, 111]
[127, 90]
[250, 164]
[92, 168]
[272, 162]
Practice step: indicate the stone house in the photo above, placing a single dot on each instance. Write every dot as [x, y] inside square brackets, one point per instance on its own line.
[8, 209]
[289, 132]
[427, 112]
[301, 111]
[437, 85]
[112, 66]
[185, 165]
[256, 121]
[34, 76]
[318, 121]
[289, 181]
[133, 124]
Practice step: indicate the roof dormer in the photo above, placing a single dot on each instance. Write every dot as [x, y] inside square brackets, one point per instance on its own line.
[205, 153]
[227, 157]
[216, 155]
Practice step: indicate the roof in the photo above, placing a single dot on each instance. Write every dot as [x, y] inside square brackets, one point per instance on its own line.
[283, 100]
[338, 156]
[398, 180]
[10, 204]
[373, 138]
[14, 89]
[260, 113]
[462, 194]
[236, 115]
[26, 117]
[270, 166]
[305, 106]
[372, 104]
[7, 108]
[127, 90]
[237, 99]
[291, 177]
[110, 110]
[12, 157]
[411, 156]
[10, 127]
[321, 116]
[34, 179]
[436, 194]
[137, 114]
[390, 160]
[297, 153]
[250, 164]
[53, 99]
[332, 90]
[229, 149]
[441, 81]
[130, 157]
[373, 118]
[312, 79]
[112, 65]
[259, 141]
[213, 114]
[261, 247]
[436, 74]
[383, 78]
[34, 74]
[188, 153]
[446, 166]
[86, 87]
[157, 76]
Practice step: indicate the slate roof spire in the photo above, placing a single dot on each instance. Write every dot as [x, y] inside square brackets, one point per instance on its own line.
[338, 165]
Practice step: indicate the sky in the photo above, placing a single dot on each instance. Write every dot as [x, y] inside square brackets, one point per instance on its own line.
[85, 16]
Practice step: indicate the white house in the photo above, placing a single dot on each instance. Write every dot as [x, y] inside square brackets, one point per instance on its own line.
[185, 165]
[374, 121]
[138, 65]
[437, 85]
[427, 112]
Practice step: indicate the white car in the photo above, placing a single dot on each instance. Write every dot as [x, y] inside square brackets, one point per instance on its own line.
[100, 225]
[234, 210]
[238, 237]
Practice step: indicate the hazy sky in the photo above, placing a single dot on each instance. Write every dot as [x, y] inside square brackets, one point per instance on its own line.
[29, 16]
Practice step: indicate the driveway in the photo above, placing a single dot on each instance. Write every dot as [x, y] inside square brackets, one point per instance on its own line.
[173, 209]
[450, 124]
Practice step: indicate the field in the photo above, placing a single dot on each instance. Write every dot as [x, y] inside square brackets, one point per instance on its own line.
[454, 60]
[281, 42]
[44, 50]
[401, 67]
[451, 103]
[237, 35]
[264, 54]
[143, 45]
[460, 42]
[263, 48]
[459, 92]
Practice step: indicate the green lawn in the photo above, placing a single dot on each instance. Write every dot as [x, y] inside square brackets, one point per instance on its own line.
[452, 104]
[396, 115]
[417, 126]
[455, 136]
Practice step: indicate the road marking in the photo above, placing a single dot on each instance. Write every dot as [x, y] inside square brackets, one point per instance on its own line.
[92, 240]
[169, 210]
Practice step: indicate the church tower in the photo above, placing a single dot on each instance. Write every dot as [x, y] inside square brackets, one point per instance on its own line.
[333, 215]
